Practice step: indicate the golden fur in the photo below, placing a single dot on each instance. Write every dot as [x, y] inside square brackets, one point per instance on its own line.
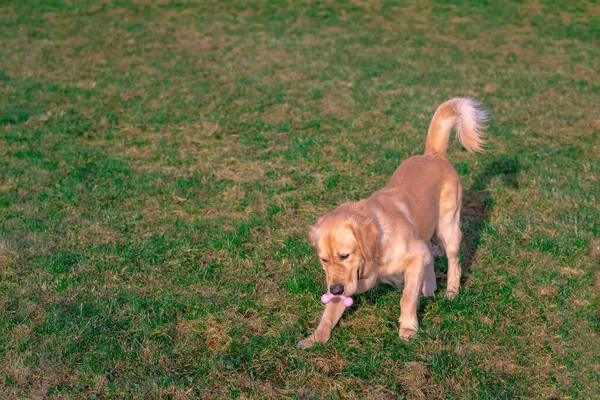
[385, 237]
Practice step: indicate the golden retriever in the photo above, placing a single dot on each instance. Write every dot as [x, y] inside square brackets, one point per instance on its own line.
[386, 237]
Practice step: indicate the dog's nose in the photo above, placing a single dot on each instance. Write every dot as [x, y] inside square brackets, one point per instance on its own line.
[337, 289]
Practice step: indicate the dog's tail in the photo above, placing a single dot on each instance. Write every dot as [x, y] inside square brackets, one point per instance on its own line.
[466, 116]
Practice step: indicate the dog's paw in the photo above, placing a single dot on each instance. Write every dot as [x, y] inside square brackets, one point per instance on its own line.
[406, 333]
[450, 294]
[306, 343]
[320, 336]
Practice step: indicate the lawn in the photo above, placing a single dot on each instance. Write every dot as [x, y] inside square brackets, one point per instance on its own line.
[160, 160]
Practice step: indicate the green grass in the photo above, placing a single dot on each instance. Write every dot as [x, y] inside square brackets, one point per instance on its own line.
[159, 161]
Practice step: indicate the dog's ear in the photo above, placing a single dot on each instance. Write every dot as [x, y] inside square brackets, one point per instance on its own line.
[366, 235]
[312, 233]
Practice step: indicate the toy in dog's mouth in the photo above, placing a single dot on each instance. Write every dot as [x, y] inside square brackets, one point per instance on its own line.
[327, 297]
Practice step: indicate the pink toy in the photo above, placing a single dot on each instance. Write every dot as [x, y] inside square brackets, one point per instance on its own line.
[326, 298]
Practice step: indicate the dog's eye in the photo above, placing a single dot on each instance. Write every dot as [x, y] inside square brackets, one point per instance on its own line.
[324, 260]
[344, 256]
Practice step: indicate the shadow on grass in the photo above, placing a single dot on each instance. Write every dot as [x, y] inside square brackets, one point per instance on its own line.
[477, 204]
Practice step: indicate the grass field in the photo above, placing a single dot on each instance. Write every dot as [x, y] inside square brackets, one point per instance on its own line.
[159, 161]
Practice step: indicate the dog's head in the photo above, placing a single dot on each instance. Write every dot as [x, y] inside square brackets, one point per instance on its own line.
[346, 244]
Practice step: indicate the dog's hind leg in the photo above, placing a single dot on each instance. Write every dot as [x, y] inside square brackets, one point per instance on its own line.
[448, 231]
[429, 284]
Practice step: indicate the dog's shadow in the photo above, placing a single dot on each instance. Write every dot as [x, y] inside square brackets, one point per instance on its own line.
[478, 204]
[476, 212]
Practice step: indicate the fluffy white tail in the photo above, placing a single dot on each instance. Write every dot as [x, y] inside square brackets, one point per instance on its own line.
[466, 116]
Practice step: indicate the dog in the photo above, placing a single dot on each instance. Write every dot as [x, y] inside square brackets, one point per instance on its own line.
[386, 237]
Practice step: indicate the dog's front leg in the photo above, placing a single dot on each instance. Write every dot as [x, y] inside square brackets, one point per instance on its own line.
[332, 314]
[413, 278]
